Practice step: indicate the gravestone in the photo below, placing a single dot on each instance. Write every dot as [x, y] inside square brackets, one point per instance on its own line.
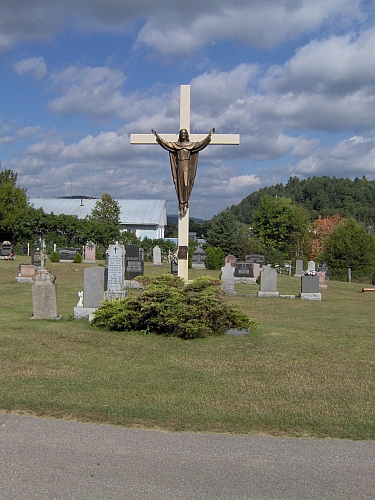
[44, 295]
[256, 270]
[231, 259]
[37, 258]
[324, 268]
[255, 258]
[243, 273]
[156, 254]
[268, 282]
[299, 268]
[134, 262]
[93, 286]
[26, 274]
[6, 251]
[67, 254]
[174, 267]
[311, 266]
[93, 292]
[322, 280]
[310, 288]
[198, 260]
[114, 272]
[90, 253]
[227, 277]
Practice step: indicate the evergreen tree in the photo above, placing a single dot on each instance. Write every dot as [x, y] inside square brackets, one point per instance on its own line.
[225, 233]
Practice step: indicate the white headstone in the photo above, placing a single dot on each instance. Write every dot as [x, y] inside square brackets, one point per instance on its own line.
[157, 256]
[311, 265]
[116, 271]
[268, 282]
[227, 277]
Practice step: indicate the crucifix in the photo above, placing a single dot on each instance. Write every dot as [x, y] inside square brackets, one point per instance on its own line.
[183, 151]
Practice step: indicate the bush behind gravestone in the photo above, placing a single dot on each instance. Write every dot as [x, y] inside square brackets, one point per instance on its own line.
[167, 307]
[215, 258]
[54, 257]
[77, 259]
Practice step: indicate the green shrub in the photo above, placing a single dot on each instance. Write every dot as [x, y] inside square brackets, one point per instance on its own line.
[167, 307]
[214, 258]
[54, 257]
[77, 258]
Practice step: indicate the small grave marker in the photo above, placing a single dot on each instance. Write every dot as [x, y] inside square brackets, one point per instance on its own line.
[134, 262]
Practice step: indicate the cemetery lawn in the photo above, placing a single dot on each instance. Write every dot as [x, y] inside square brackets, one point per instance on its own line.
[308, 370]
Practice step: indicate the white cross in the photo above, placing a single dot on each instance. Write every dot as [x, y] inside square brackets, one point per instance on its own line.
[183, 220]
[185, 123]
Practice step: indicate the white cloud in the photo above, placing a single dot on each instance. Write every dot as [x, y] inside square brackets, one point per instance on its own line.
[106, 146]
[338, 65]
[94, 91]
[28, 132]
[259, 23]
[171, 27]
[34, 65]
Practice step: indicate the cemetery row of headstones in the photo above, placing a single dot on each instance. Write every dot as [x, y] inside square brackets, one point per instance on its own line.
[311, 282]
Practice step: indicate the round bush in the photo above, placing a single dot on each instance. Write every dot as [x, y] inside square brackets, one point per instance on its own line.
[77, 258]
[54, 257]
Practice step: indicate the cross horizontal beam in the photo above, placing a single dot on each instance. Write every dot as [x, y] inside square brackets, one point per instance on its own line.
[218, 139]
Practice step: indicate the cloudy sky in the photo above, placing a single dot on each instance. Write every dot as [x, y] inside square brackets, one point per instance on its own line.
[295, 78]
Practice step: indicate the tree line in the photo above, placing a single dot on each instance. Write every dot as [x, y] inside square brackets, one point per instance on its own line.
[22, 224]
[325, 196]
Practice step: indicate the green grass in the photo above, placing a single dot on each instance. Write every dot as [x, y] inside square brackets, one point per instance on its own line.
[308, 370]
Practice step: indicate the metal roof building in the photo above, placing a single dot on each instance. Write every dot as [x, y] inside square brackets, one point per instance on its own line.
[144, 217]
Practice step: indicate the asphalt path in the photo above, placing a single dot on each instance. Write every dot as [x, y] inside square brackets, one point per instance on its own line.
[57, 459]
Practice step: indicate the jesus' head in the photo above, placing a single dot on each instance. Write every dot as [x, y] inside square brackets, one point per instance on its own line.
[184, 135]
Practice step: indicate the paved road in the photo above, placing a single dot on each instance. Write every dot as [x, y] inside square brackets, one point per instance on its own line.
[55, 459]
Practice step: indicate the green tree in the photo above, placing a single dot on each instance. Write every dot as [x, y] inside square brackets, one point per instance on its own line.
[106, 210]
[13, 205]
[106, 218]
[282, 226]
[350, 246]
[225, 232]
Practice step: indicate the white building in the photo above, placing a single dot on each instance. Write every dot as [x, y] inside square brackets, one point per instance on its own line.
[144, 217]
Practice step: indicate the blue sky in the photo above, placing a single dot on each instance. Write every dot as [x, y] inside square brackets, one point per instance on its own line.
[295, 78]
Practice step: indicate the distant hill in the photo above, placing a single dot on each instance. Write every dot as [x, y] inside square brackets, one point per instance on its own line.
[320, 196]
[173, 219]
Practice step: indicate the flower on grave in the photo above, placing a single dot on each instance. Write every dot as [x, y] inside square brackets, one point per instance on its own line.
[310, 272]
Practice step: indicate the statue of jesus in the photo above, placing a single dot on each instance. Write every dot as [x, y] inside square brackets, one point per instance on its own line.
[183, 156]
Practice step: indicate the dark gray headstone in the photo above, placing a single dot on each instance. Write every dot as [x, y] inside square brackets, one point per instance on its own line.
[67, 254]
[37, 258]
[198, 260]
[310, 284]
[134, 262]
[257, 258]
[174, 267]
[243, 270]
